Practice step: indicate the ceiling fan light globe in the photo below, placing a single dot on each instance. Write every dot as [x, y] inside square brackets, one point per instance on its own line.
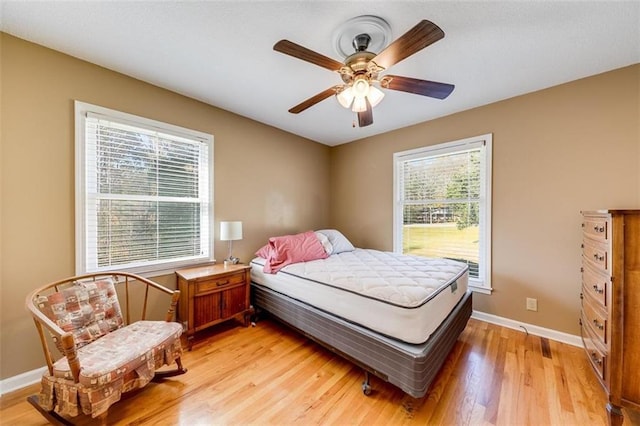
[375, 96]
[360, 88]
[359, 104]
[345, 97]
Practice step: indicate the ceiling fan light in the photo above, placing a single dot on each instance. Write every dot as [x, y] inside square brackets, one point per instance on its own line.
[360, 87]
[359, 104]
[375, 95]
[345, 97]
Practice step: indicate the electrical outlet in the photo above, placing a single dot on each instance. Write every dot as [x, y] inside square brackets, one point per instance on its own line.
[532, 304]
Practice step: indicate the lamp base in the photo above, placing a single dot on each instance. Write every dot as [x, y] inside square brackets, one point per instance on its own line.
[231, 261]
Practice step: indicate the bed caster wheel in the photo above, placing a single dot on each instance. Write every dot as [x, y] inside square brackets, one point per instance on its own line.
[366, 389]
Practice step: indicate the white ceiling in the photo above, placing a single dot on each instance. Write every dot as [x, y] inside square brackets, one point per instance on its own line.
[221, 52]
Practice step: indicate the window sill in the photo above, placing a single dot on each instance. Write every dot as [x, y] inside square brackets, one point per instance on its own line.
[482, 290]
[159, 270]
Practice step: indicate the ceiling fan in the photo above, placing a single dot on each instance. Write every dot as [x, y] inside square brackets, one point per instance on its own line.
[361, 71]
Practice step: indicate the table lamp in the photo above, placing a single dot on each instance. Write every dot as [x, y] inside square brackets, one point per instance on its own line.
[231, 231]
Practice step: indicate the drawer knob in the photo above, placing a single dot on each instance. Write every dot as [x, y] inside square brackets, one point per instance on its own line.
[598, 325]
[598, 289]
[597, 257]
[220, 283]
[598, 228]
[596, 358]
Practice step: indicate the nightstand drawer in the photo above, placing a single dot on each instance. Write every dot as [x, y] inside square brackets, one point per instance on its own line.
[220, 282]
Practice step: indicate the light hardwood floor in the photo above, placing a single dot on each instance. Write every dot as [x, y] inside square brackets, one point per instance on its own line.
[269, 374]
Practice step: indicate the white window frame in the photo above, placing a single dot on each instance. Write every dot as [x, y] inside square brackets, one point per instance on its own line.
[481, 284]
[82, 111]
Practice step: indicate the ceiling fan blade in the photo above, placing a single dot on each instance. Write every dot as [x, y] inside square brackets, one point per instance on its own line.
[365, 118]
[289, 48]
[432, 89]
[314, 100]
[417, 38]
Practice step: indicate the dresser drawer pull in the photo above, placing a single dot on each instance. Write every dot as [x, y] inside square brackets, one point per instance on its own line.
[596, 358]
[598, 228]
[596, 257]
[598, 324]
[221, 283]
[598, 289]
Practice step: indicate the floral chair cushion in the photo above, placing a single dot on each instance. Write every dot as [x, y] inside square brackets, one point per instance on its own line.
[87, 309]
[127, 349]
[121, 361]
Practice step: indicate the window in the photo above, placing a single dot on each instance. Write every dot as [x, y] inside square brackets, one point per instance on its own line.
[143, 193]
[442, 204]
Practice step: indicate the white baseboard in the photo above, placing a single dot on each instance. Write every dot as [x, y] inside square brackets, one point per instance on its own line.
[20, 381]
[559, 336]
[30, 377]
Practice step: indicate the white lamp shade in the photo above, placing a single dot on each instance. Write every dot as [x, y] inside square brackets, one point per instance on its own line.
[359, 105]
[345, 97]
[360, 87]
[375, 96]
[230, 231]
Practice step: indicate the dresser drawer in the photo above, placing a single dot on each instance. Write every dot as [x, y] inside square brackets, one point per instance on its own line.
[596, 227]
[596, 285]
[596, 254]
[597, 357]
[595, 320]
[220, 283]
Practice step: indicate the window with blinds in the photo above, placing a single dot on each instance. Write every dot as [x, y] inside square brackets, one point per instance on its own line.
[143, 193]
[443, 204]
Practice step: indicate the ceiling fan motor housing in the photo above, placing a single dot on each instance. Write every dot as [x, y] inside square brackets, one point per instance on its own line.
[361, 42]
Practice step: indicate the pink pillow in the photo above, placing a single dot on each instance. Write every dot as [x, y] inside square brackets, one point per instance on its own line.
[288, 249]
[263, 252]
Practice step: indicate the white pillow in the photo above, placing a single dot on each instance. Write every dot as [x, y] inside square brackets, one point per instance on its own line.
[324, 240]
[339, 242]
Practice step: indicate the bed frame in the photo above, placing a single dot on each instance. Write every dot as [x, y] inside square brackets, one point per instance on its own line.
[412, 368]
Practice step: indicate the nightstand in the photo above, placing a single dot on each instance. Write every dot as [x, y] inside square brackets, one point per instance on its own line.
[212, 294]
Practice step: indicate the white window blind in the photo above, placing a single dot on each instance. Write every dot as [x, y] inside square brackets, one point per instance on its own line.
[144, 193]
[442, 206]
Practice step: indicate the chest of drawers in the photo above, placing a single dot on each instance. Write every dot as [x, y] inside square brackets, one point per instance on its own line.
[610, 315]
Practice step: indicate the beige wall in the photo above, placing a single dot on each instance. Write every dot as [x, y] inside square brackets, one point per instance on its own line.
[273, 181]
[555, 152]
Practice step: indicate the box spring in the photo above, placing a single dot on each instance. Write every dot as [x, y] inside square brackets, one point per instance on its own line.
[412, 368]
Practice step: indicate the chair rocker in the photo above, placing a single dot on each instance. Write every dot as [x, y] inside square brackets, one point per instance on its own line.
[103, 353]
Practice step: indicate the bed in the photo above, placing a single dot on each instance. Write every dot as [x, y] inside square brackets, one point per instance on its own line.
[395, 316]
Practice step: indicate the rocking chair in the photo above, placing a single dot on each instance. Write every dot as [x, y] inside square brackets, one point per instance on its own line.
[103, 354]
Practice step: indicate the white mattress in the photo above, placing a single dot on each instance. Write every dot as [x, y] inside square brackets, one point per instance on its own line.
[400, 296]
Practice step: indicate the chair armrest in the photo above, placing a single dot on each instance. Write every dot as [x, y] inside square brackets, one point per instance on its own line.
[70, 351]
[172, 307]
[40, 317]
